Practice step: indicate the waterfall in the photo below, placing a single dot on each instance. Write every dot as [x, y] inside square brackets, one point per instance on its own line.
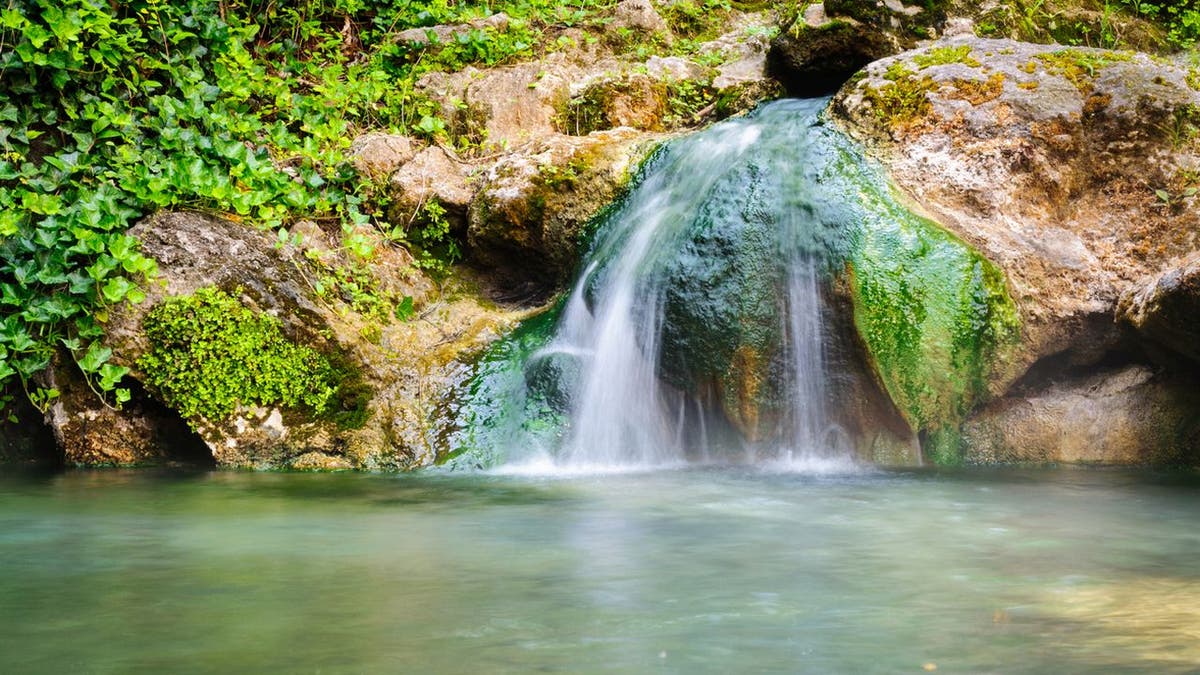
[628, 400]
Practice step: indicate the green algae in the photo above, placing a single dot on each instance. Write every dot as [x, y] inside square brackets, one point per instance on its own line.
[496, 408]
[934, 314]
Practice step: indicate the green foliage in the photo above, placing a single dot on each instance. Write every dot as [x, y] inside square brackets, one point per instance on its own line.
[943, 55]
[1080, 67]
[1180, 19]
[210, 354]
[695, 19]
[902, 100]
[1115, 24]
[427, 234]
[110, 111]
[686, 100]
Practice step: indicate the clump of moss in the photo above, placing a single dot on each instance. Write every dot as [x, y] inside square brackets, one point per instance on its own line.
[977, 92]
[1080, 67]
[695, 19]
[210, 354]
[1193, 78]
[940, 56]
[903, 99]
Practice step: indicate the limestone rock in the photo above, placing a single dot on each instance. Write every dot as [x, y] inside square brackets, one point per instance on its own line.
[507, 107]
[1129, 415]
[431, 175]
[640, 16]
[419, 38]
[634, 100]
[1044, 159]
[1052, 162]
[531, 209]
[1166, 307]
[377, 155]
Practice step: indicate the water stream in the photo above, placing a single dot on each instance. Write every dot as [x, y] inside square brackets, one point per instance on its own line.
[695, 331]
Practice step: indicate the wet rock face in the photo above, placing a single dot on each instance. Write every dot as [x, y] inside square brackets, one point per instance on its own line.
[722, 309]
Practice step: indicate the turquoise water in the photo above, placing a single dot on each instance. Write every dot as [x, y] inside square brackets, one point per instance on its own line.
[698, 570]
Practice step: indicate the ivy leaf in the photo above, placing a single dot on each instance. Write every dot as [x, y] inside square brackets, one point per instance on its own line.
[116, 288]
[95, 357]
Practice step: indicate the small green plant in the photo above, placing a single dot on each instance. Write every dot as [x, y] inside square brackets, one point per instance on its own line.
[687, 101]
[1080, 67]
[210, 354]
[427, 234]
[1171, 200]
[902, 100]
[944, 55]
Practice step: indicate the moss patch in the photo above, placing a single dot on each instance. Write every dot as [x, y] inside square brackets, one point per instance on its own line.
[210, 354]
[977, 92]
[1081, 67]
[940, 56]
[934, 315]
[903, 100]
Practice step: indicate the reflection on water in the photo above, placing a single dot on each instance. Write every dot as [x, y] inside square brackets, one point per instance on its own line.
[705, 569]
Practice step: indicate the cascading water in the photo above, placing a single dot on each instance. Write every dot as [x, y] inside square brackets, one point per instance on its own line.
[700, 327]
[628, 402]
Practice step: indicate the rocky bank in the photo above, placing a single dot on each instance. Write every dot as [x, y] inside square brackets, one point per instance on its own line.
[1072, 170]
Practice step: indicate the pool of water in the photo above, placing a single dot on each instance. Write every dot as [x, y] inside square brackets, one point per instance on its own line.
[696, 570]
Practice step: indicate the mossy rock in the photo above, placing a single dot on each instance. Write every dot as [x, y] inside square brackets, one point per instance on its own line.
[722, 308]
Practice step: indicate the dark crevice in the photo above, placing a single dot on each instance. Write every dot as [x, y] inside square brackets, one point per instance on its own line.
[176, 441]
[25, 439]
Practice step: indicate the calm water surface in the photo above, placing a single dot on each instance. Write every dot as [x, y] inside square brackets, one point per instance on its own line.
[704, 570]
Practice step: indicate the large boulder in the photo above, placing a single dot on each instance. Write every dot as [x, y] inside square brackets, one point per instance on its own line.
[386, 377]
[1070, 169]
[1048, 160]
